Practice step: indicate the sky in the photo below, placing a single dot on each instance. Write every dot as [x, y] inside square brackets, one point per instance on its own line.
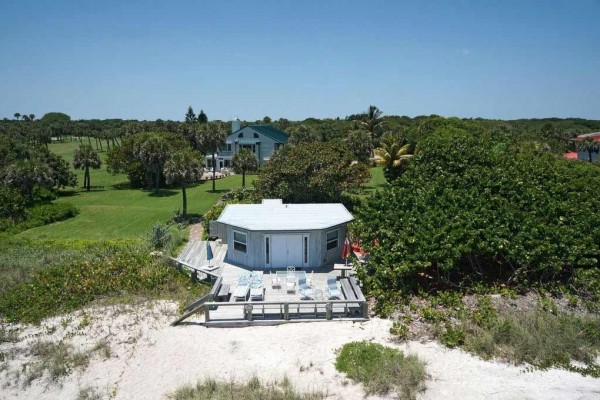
[299, 59]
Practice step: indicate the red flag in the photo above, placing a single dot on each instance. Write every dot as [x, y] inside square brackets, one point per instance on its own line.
[346, 249]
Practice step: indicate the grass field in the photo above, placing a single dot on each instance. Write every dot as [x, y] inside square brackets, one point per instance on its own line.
[110, 212]
[113, 211]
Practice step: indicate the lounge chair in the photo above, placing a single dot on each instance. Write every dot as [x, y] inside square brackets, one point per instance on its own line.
[257, 291]
[305, 290]
[243, 287]
[290, 283]
[332, 288]
[309, 278]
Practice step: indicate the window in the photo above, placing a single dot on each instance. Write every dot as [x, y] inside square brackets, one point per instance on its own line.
[255, 135]
[239, 241]
[228, 146]
[332, 239]
[278, 146]
[241, 134]
[268, 258]
[305, 249]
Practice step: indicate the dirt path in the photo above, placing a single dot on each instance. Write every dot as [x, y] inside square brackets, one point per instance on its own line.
[196, 231]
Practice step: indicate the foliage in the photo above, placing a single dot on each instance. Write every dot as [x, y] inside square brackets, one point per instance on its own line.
[303, 134]
[467, 209]
[111, 270]
[382, 369]
[190, 117]
[310, 173]
[252, 390]
[85, 157]
[41, 214]
[25, 175]
[393, 155]
[360, 145]
[58, 359]
[244, 161]
[537, 337]
[159, 237]
[12, 204]
[184, 167]
[372, 121]
[209, 138]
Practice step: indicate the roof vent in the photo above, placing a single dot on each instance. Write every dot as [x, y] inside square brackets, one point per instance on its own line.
[272, 201]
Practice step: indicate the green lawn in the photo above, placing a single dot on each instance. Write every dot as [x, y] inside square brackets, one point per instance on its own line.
[108, 212]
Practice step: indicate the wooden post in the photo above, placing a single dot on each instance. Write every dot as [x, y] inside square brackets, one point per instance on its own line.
[248, 308]
[329, 311]
[206, 313]
[286, 311]
[194, 275]
[365, 310]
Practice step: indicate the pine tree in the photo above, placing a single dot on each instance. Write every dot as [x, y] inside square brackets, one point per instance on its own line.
[202, 118]
[190, 117]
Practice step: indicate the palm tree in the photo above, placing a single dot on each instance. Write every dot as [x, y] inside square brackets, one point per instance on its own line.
[85, 157]
[373, 121]
[209, 138]
[31, 117]
[183, 167]
[392, 155]
[153, 153]
[590, 145]
[17, 115]
[242, 162]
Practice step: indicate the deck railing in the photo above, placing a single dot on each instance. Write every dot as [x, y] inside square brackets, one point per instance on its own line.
[287, 310]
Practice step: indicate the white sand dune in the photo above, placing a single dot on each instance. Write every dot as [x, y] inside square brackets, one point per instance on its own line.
[151, 359]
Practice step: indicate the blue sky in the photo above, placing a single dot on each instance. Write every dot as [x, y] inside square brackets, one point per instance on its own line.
[299, 59]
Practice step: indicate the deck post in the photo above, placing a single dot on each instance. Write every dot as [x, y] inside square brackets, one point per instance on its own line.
[248, 308]
[206, 313]
[194, 275]
[286, 311]
[365, 310]
[329, 311]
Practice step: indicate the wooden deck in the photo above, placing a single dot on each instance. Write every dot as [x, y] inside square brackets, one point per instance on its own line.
[278, 305]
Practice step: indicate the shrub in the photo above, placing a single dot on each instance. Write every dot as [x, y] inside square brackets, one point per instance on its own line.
[159, 237]
[382, 369]
[254, 389]
[111, 270]
[537, 337]
[43, 214]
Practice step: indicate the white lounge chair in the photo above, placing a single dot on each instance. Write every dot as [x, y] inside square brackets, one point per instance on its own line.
[290, 283]
[332, 288]
[305, 290]
[309, 278]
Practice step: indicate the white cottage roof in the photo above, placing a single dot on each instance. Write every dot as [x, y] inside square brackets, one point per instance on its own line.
[272, 215]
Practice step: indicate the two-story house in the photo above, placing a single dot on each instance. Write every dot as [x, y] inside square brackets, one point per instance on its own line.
[262, 140]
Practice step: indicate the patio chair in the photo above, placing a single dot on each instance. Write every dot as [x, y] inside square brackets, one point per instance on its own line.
[257, 290]
[305, 290]
[332, 288]
[275, 282]
[290, 283]
[309, 278]
[240, 292]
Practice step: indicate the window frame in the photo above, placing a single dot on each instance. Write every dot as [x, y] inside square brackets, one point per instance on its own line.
[329, 241]
[244, 244]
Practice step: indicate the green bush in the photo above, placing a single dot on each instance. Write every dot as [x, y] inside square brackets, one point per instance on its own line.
[110, 270]
[540, 338]
[42, 214]
[382, 369]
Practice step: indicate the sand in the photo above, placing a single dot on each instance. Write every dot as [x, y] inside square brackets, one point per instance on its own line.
[149, 359]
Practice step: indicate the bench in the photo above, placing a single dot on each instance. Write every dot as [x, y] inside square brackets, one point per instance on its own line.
[353, 308]
[223, 294]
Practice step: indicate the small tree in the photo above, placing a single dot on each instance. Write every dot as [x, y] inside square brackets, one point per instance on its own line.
[153, 153]
[202, 118]
[25, 175]
[303, 134]
[242, 162]
[183, 168]
[190, 117]
[392, 155]
[85, 157]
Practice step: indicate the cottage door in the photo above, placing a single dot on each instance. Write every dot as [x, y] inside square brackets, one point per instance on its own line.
[287, 250]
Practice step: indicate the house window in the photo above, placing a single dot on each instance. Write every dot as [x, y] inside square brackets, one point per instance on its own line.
[239, 241]
[241, 134]
[278, 146]
[332, 239]
[305, 249]
[228, 146]
[267, 251]
[255, 135]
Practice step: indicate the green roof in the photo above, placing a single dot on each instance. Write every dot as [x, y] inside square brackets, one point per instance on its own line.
[273, 133]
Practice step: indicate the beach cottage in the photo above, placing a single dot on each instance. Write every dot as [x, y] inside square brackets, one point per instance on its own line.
[273, 235]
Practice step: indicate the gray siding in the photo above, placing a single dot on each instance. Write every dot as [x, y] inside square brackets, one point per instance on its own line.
[585, 156]
[254, 257]
[264, 150]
